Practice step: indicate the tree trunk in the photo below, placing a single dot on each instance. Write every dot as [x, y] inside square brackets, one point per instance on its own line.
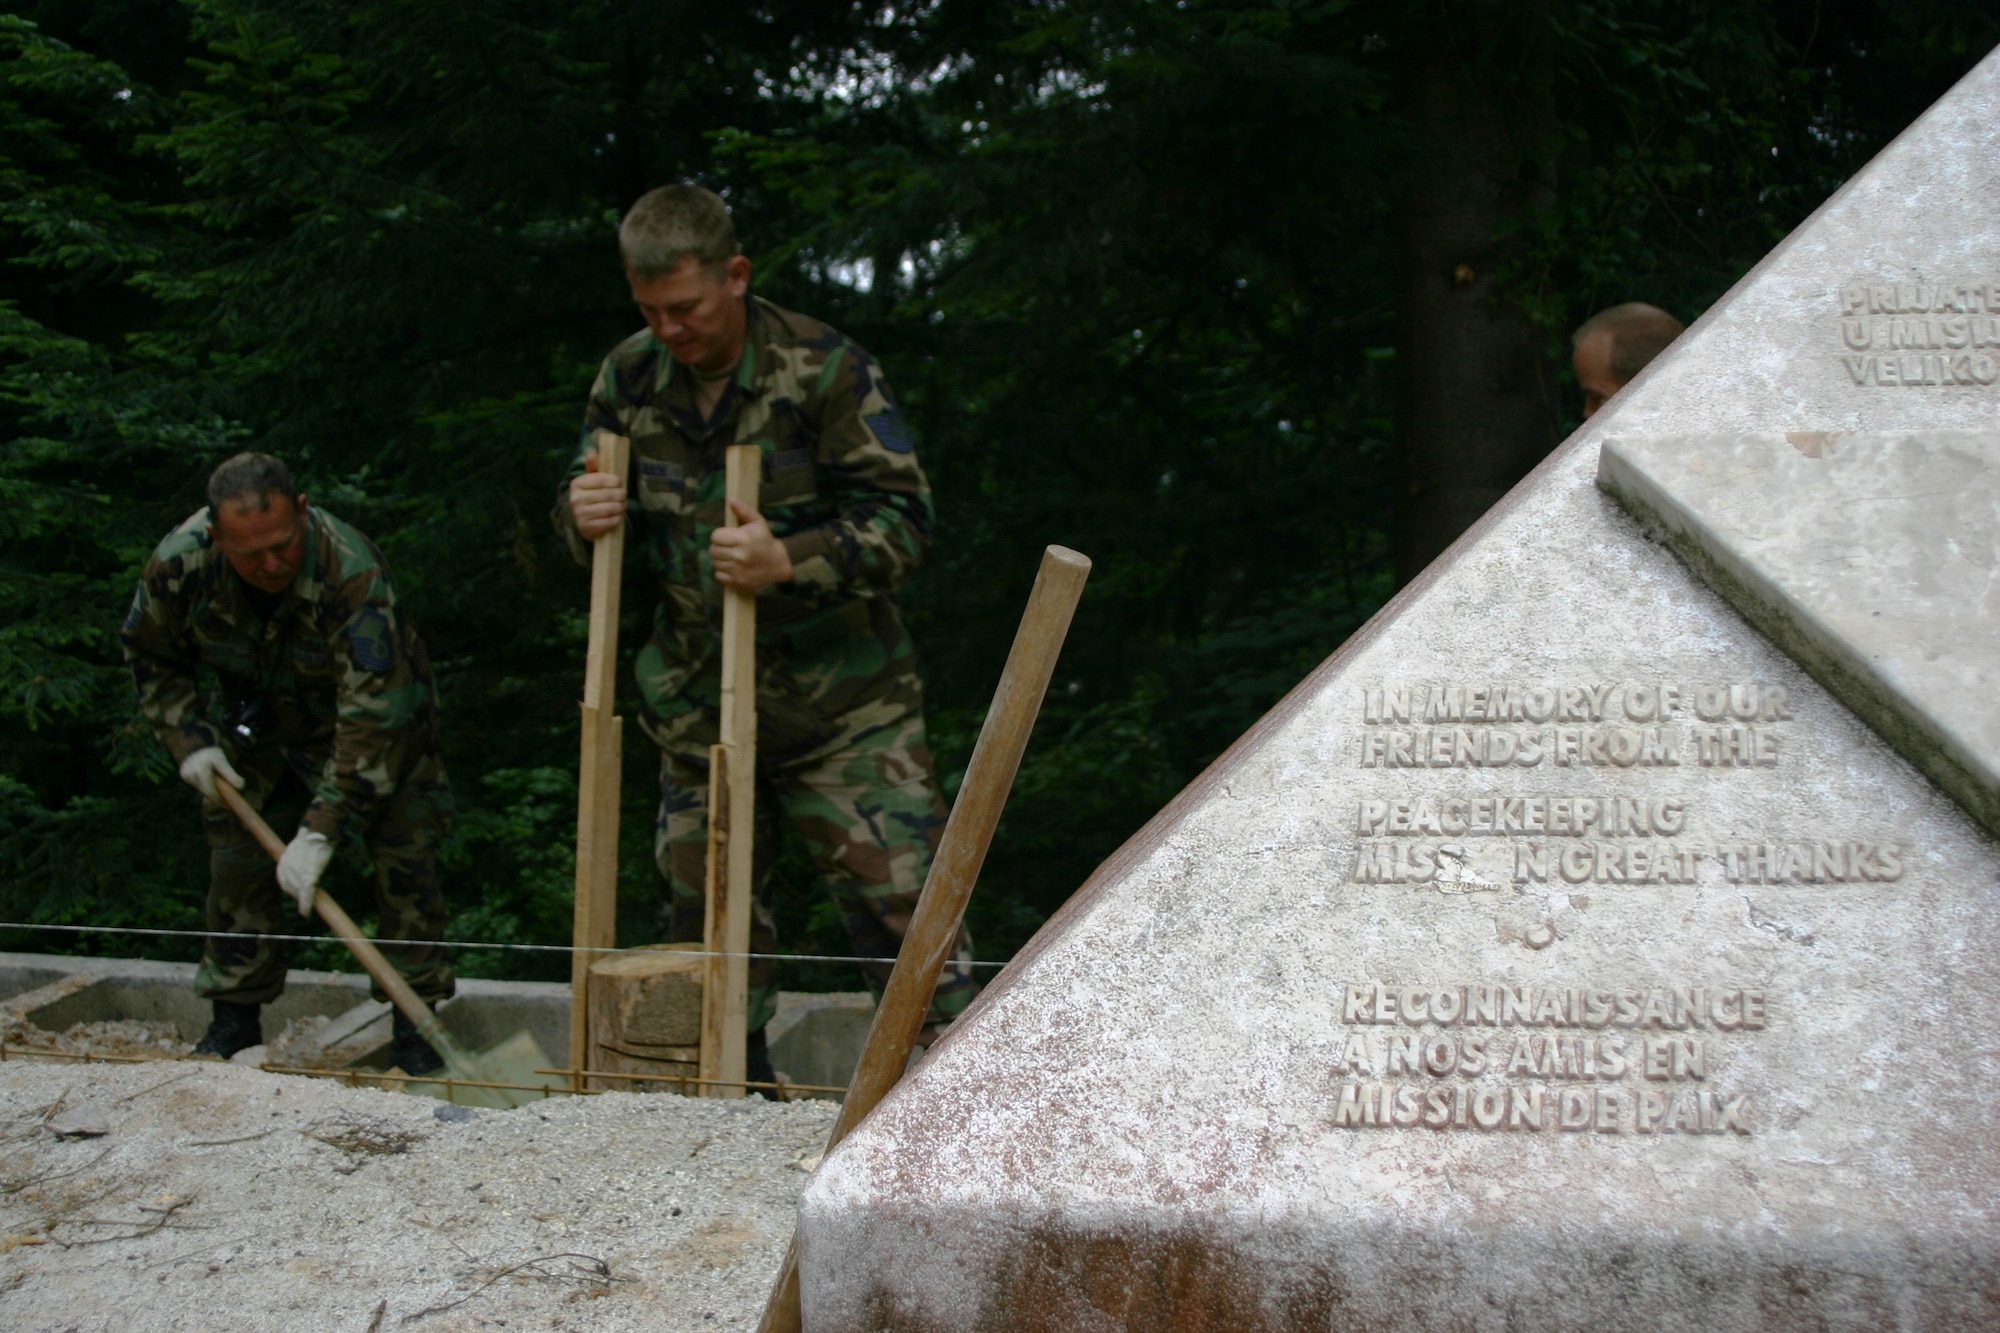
[645, 1016]
[1476, 403]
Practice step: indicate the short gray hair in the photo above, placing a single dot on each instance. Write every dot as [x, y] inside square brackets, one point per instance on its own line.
[249, 481]
[1639, 332]
[673, 223]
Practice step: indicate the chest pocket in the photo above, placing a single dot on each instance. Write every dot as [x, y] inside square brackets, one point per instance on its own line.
[789, 477]
[663, 485]
[226, 655]
[310, 658]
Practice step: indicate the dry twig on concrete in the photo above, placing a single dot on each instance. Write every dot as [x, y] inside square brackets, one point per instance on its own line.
[132, 1096]
[242, 1138]
[597, 1273]
[358, 1138]
[162, 1216]
[16, 1186]
[209, 1248]
[56, 1105]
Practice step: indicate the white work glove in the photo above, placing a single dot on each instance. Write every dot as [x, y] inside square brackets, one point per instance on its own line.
[198, 770]
[302, 865]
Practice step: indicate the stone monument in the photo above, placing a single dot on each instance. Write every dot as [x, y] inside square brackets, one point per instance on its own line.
[1604, 938]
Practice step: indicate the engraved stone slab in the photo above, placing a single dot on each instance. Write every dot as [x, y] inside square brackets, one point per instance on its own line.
[1873, 559]
[1560, 954]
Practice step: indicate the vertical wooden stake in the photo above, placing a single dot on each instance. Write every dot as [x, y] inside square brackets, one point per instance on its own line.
[598, 773]
[732, 812]
[933, 930]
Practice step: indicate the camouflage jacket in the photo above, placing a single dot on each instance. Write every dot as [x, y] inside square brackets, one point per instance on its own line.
[840, 487]
[342, 675]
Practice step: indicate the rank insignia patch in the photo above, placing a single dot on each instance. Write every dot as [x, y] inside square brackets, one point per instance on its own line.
[892, 429]
[368, 641]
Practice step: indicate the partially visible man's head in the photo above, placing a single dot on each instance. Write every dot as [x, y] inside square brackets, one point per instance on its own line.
[686, 272]
[673, 223]
[1614, 345]
[257, 517]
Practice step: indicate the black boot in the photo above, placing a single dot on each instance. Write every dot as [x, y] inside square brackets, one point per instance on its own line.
[757, 1067]
[408, 1051]
[235, 1027]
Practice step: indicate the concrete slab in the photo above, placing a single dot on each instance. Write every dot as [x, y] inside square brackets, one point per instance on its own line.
[221, 1199]
[814, 1038]
[482, 1014]
[1873, 559]
[143, 990]
[1491, 981]
[359, 1036]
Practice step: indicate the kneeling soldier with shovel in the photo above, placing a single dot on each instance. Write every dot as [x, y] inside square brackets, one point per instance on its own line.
[323, 712]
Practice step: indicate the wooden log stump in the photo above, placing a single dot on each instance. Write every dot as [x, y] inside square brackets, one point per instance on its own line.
[645, 1018]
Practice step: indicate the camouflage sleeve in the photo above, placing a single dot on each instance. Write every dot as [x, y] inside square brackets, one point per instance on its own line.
[163, 659]
[383, 707]
[882, 523]
[601, 413]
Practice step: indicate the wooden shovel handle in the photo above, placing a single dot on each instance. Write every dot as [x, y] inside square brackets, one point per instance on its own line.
[386, 976]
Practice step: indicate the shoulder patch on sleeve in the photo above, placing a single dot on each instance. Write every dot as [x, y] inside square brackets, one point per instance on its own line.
[189, 538]
[368, 641]
[893, 429]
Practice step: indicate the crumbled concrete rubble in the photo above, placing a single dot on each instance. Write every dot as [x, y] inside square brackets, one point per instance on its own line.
[203, 1195]
[123, 1038]
[298, 1044]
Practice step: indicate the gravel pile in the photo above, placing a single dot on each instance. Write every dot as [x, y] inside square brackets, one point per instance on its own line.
[124, 1038]
[209, 1196]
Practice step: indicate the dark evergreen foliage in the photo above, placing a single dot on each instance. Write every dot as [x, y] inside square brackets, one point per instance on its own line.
[1128, 262]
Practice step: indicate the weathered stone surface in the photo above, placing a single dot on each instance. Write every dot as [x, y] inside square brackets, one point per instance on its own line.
[87, 1121]
[1872, 559]
[1773, 932]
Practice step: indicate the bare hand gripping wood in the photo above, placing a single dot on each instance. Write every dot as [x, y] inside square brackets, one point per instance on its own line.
[732, 810]
[974, 815]
[598, 772]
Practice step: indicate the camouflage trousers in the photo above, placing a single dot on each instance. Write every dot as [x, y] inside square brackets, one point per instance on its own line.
[244, 900]
[842, 761]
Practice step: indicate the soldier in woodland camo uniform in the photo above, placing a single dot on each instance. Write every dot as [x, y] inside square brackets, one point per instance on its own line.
[845, 517]
[312, 692]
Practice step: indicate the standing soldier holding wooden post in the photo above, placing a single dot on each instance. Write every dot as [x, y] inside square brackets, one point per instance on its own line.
[844, 518]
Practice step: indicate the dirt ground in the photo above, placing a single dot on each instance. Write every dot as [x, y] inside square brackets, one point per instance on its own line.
[201, 1196]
